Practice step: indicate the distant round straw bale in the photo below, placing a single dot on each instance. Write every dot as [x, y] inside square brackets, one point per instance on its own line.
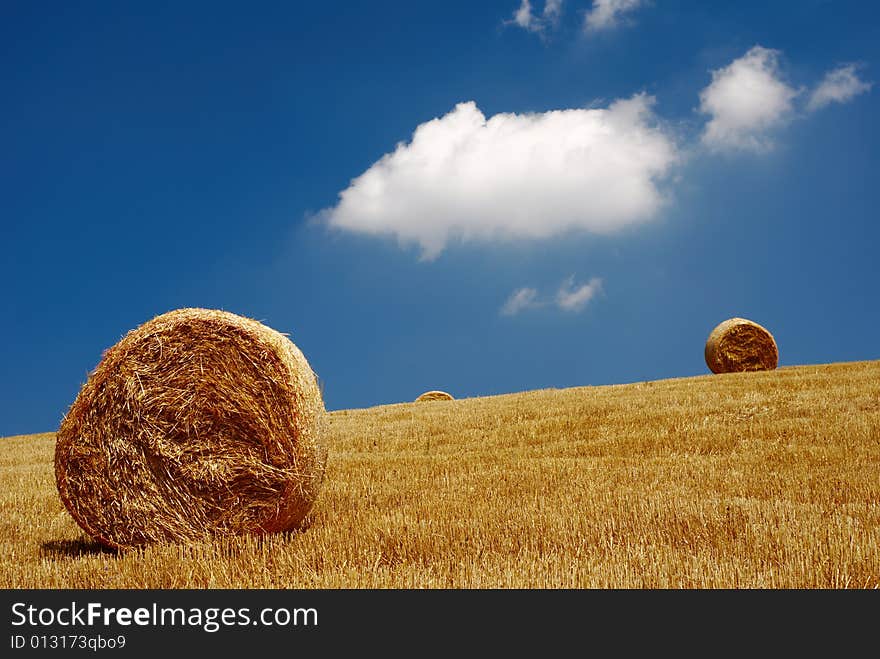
[738, 345]
[434, 395]
[198, 423]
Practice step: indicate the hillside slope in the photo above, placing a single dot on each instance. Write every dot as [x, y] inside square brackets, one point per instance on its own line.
[744, 480]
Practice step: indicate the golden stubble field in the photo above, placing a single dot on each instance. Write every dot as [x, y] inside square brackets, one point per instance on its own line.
[758, 480]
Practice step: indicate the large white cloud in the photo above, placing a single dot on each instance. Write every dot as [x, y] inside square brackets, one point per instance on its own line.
[525, 176]
[606, 14]
[838, 86]
[745, 100]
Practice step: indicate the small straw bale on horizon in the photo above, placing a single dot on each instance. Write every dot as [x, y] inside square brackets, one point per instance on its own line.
[434, 395]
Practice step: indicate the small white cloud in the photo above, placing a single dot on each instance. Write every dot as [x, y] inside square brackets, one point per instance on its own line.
[520, 299]
[574, 298]
[513, 176]
[568, 297]
[745, 100]
[606, 14]
[526, 19]
[552, 9]
[838, 86]
[524, 16]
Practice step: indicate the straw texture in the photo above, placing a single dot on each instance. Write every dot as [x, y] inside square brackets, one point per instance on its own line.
[196, 424]
[738, 345]
[434, 395]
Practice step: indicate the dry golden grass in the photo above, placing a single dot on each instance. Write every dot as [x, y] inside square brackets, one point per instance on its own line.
[767, 480]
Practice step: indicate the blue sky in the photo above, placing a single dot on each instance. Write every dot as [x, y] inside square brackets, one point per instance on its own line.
[591, 188]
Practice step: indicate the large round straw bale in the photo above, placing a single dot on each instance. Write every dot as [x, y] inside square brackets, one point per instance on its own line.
[434, 395]
[739, 345]
[198, 423]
